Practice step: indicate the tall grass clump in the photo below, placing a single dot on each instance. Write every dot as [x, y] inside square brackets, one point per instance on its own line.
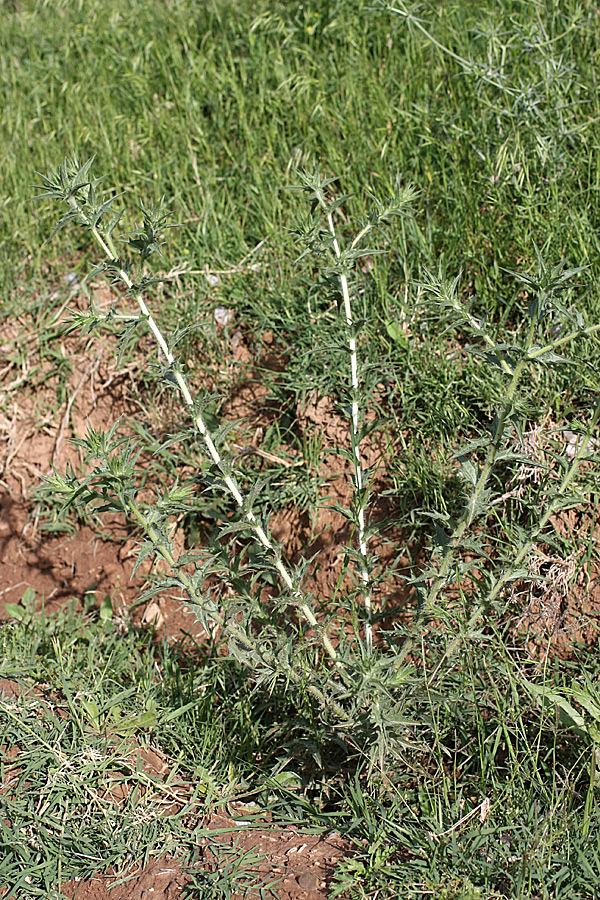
[283, 633]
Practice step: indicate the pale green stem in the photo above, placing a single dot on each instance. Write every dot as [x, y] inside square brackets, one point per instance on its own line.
[467, 65]
[526, 548]
[567, 338]
[262, 536]
[488, 465]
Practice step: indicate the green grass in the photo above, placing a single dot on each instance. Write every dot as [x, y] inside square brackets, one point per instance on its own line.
[212, 109]
[213, 105]
[492, 111]
[80, 798]
[106, 692]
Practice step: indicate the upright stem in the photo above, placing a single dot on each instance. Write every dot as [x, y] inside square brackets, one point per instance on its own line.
[109, 249]
[519, 559]
[358, 467]
[480, 485]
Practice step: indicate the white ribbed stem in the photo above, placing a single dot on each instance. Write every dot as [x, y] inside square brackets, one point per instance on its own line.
[358, 468]
[109, 249]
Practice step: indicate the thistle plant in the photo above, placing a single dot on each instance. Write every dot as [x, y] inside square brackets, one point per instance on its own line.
[551, 327]
[111, 483]
[337, 276]
[375, 684]
[72, 185]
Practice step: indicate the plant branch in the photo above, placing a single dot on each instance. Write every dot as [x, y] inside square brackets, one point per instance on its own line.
[262, 536]
[356, 455]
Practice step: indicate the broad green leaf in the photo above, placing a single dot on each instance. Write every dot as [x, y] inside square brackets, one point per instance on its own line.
[396, 333]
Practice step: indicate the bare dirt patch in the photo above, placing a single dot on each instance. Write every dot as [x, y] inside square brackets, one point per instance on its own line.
[562, 610]
[161, 879]
[286, 865]
[35, 433]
